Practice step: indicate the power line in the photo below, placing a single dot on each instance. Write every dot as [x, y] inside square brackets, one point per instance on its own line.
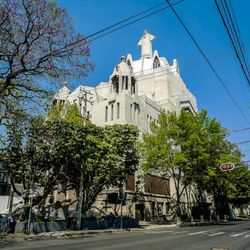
[135, 21]
[121, 22]
[114, 25]
[112, 28]
[238, 38]
[192, 63]
[234, 36]
[239, 130]
[245, 151]
[209, 63]
[243, 142]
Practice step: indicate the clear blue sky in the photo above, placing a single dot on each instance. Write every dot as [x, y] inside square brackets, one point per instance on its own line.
[202, 18]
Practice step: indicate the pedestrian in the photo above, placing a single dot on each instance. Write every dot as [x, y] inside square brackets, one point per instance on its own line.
[25, 227]
[11, 224]
[111, 219]
[116, 219]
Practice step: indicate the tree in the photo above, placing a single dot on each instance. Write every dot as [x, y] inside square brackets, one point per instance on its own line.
[30, 158]
[162, 150]
[63, 151]
[104, 155]
[70, 113]
[12, 155]
[190, 149]
[226, 187]
[36, 38]
[240, 197]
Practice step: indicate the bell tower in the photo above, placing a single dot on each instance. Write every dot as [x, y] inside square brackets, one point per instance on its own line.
[123, 78]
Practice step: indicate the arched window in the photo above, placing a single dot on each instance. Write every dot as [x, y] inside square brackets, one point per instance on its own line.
[106, 113]
[156, 63]
[118, 110]
[132, 85]
[112, 112]
[115, 83]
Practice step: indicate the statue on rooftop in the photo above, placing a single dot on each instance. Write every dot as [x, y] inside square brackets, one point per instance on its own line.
[146, 44]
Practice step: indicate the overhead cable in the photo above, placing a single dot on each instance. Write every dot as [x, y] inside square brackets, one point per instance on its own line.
[230, 24]
[209, 63]
[112, 28]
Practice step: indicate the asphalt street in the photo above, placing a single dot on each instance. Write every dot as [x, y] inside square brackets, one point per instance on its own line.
[233, 237]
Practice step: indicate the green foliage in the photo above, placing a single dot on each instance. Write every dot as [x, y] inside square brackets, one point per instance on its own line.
[55, 152]
[73, 114]
[240, 178]
[190, 149]
[70, 113]
[39, 28]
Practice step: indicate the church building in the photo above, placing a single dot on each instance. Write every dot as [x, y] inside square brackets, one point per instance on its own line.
[135, 93]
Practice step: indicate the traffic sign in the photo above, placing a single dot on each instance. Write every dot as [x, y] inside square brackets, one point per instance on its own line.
[227, 166]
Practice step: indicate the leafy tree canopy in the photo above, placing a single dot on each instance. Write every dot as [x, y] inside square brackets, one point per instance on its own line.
[54, 152]
[35, 44]
[190, 149]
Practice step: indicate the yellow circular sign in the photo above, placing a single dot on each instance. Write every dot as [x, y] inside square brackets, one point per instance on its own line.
[227, 166]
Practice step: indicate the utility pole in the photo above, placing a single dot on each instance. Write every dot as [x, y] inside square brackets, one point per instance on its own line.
[121, 197]
[85, 96]
[11, 197]
[31, 194]
[121, 216]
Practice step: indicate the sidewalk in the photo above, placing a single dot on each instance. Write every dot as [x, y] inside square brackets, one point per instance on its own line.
[147, 226]
[60, 234]
[144, 226]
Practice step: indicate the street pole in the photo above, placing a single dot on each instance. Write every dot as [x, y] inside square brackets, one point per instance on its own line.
[30, 202]
[121, 215]
[84, 97]
[80, 200]
[29, 219]
[11, 197]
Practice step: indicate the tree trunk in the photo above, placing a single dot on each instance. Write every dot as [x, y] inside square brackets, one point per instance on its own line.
[80, 202]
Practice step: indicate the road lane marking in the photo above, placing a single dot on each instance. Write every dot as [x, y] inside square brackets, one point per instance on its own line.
[214, 234]
[200, 232]
[181, 232]
[219, 248]
[157, 232]
[236, 235]
[246, 236]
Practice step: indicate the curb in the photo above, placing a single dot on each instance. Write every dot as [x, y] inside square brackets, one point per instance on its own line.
[84, 233]
[153, 228]
[67, 234]
[89, 233]
[58, 235]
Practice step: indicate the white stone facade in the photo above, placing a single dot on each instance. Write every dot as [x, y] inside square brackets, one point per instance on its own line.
[136, 92]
